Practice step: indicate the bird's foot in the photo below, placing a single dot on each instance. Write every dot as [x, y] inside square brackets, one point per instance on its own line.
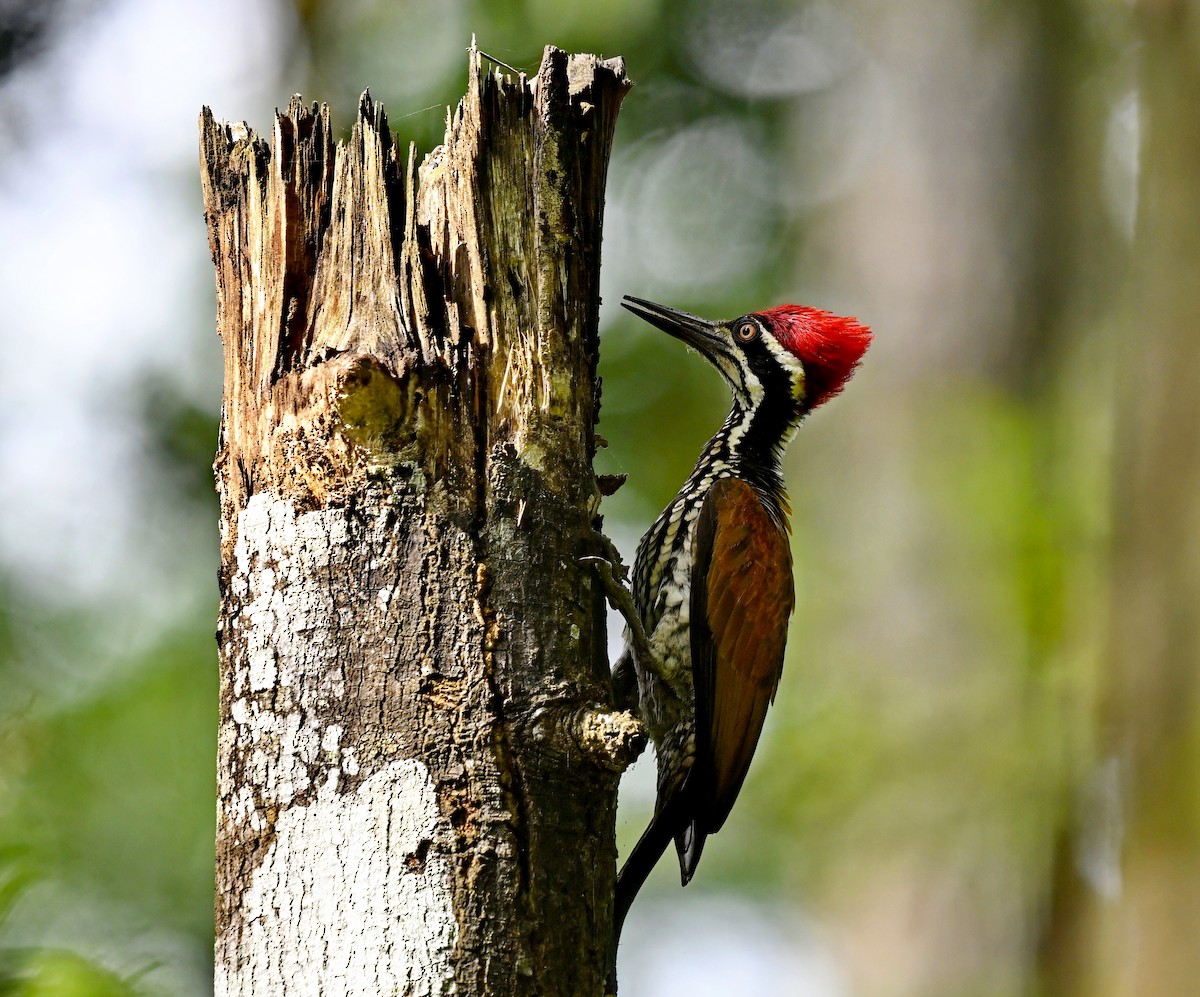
[621, 600]
[609, 553]
[610, 570]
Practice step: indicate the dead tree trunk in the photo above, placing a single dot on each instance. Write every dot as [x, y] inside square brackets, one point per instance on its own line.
[418, 755]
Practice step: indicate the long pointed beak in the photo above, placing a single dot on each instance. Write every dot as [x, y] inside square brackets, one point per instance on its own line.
[699, 333]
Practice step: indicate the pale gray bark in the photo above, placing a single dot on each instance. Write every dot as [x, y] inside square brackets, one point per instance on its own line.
[418, 755]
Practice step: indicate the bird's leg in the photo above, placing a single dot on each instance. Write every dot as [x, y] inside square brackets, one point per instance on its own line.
[622, 601]
[623, 677]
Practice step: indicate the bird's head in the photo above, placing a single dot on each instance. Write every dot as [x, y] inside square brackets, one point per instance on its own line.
[790, 352]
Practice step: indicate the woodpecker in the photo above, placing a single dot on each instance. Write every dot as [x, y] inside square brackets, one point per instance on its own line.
[712, 581]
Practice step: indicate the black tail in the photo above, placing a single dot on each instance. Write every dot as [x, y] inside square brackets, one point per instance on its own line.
[689, 843]
[669, 822]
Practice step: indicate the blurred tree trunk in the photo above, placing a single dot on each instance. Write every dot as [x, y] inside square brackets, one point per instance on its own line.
[1143, 937]
[418, 759]
[1154, 708]
[999, 319]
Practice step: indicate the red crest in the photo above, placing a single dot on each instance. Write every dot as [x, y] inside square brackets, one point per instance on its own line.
[829, 346]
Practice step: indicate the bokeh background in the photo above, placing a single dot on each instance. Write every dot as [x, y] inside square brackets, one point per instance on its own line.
[982, 774]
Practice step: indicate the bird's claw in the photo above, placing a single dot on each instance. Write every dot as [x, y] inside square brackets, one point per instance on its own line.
[622, 601]
[609, 553]
[604, 568]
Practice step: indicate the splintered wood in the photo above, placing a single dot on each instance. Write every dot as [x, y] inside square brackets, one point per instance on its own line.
[418, 757]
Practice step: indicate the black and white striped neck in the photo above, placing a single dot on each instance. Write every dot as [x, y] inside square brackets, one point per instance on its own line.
[749, 445]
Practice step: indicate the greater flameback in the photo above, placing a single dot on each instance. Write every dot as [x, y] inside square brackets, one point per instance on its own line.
[712, 582]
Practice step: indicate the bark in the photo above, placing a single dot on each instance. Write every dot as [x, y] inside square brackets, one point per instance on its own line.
[418, 755]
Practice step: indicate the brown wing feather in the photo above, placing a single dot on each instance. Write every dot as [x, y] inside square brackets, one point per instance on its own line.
[742, 596]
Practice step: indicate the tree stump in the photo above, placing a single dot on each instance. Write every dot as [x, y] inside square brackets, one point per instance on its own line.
[419, 755]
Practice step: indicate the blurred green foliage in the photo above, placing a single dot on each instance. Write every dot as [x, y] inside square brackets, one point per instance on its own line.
[115, 792]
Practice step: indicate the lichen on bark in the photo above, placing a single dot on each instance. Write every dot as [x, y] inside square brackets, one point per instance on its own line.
[418, 755]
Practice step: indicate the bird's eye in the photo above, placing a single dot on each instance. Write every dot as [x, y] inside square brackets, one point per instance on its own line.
[746, 332]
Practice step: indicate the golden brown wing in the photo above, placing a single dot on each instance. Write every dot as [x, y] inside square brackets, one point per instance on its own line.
[742, 596]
